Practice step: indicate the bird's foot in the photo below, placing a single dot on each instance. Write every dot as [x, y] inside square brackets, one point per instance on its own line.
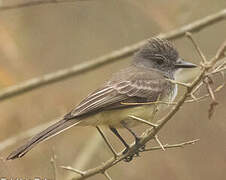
[136, 153]
[137, 142]
[129, 157]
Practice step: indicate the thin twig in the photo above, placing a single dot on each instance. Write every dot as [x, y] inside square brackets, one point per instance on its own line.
[106, 59]
[221, 52]
[169, 146]
[214, 102]
[196, 88]
[34, 3]
[189, 35]
[219, 66]
[73, 170]
[159, 142]
[217, 71]
[143, 121]
[107, 142]
[107, 175]
[179, 83]
[206, 65]
[53, 163]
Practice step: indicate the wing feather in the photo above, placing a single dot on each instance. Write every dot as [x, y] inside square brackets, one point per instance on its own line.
[145, 86]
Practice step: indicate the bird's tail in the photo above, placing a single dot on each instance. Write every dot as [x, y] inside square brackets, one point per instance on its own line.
[51, 131]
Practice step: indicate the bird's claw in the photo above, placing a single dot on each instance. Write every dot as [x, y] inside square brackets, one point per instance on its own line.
[137, 142]
[135, 154]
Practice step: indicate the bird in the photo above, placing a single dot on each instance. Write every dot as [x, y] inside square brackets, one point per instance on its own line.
[145, 79]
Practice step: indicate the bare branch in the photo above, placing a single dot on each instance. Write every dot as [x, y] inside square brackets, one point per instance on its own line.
[168, 146]
[196, 89]
[159, 142]
[218, 70]
[206, 65]
[107, 175]
[189, 35]
[221, 52]
[35, 3]
[179, 83]
[53, 163]
[143, 121]
[73, 170]
[108, 58]
[222, 65]
[214, 103]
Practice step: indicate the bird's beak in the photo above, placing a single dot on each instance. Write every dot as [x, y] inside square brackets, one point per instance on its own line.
[184, 64]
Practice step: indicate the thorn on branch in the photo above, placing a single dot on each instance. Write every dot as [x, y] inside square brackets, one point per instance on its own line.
[159, 142]
[143, 121]
[208, 81]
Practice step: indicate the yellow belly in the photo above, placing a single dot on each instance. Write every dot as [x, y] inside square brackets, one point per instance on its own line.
[114, 117]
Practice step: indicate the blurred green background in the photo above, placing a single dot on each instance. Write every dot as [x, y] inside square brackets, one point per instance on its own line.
[42, 39]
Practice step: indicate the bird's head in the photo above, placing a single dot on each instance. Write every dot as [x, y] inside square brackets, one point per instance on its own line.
[160, 54]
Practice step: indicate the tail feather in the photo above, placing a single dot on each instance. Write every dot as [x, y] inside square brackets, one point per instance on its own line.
[51, 131]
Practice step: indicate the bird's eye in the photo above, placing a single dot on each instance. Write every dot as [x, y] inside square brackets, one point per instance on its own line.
[159, 59]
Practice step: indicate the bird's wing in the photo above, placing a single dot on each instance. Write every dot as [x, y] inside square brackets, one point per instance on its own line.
[135, 87]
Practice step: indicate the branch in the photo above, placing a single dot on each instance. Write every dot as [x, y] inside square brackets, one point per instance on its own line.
[179, 83]
[166, 146]
[143, 121]
[169, 146]
[189, 35]
[106, 59]
[107, 175]
[72, 170]
[34, 3]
